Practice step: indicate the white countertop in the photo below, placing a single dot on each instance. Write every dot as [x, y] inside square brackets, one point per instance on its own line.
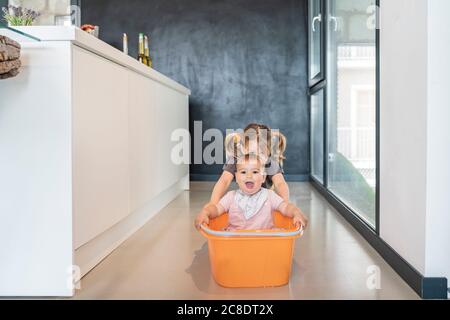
[91, 43]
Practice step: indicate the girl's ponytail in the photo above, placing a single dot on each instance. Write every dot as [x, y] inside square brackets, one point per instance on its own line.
[234, 145]
[279, 144]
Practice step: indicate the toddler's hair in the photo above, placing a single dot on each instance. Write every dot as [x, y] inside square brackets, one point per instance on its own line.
[279, 144]
[251, 156]
[233, 145]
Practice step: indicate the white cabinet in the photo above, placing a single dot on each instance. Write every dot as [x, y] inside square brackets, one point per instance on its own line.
[155, 113]
[85, 145]
[36, 174]
[145, 129]
[101, 165]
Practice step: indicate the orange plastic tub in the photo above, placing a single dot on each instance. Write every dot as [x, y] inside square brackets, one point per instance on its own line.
[251, 259]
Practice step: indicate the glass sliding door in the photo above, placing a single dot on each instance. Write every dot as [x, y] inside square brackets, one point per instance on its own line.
[316, 39]
[317, 135]
[351, 105]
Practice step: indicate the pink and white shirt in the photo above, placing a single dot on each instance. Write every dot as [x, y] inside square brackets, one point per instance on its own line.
[262, 220]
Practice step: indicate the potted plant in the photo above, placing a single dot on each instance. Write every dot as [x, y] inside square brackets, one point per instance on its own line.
[18, 16]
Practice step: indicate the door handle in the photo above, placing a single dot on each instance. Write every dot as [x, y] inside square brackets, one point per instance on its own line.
[315, 19]
[335, 21]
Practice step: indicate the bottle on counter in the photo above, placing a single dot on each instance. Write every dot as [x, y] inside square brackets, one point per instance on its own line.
[149, 61]
[125, 43]
[141, 55]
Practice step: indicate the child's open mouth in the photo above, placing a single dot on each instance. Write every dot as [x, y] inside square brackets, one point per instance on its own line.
[249, 185]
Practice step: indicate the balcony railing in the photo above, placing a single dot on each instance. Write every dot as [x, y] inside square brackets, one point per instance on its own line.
[356, 52]
[357, 144]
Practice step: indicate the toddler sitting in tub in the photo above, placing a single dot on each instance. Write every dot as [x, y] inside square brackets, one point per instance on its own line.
[250, 207]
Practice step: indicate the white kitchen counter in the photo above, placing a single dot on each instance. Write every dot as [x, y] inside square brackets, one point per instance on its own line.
[85, 157]
[91, 43]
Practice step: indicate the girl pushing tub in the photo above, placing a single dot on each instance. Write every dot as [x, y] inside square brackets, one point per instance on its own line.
[255, 159]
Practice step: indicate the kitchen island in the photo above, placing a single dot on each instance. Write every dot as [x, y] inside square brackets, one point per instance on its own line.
[85, 157]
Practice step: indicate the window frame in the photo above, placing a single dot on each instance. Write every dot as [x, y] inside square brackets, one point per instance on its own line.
[322, 74]
[316, 89]
[320, 83]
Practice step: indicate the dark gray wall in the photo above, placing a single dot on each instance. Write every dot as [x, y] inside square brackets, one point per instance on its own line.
[244, 60]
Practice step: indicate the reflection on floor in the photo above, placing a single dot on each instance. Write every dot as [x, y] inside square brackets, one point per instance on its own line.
[168, 259]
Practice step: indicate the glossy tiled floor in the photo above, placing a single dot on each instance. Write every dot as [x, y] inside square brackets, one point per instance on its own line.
[168, 259]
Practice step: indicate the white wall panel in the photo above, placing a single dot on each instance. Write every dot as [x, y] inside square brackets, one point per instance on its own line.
[100, 144]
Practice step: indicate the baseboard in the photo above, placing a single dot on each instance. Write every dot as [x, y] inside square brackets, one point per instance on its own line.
[426, 288]
[92, 253]
[215, 177]
[204, 177]
[296, 177]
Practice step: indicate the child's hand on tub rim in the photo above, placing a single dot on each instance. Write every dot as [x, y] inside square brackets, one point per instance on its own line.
[202, 218]
[300, 220]
[292, 211]
[210, 211]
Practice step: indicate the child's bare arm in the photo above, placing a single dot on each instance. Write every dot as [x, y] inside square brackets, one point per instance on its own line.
[221, 187]
[291, 211]
[281, 187]
[209, 211]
